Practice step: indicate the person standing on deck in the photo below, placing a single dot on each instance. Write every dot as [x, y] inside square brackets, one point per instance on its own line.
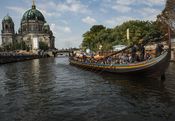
[142, 52]
[133, 53]
[159, 49]
[84, 57]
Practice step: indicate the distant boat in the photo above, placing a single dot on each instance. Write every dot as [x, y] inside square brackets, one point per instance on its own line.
[155, 66]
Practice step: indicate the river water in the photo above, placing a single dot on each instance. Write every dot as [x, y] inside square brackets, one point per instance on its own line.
[52, 90]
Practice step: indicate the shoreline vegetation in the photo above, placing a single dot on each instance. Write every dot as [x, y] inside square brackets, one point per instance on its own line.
[101, 38]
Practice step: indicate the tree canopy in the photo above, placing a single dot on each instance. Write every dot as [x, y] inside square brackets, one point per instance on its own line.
[16, 46]
[98, 35]
[43, 46]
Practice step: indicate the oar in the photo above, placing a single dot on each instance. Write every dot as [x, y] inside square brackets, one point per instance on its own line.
[146, 41]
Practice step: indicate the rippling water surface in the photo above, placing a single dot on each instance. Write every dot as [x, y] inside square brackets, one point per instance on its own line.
[52, 90]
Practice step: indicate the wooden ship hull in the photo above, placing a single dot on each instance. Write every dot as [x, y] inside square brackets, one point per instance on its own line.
[156, 66]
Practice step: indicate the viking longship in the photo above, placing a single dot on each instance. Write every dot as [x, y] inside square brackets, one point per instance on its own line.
[155, 66]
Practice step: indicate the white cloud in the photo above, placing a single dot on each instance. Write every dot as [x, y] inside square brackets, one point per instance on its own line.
[89, 20]
[132, 2]
[149, 13]
[72, 6]
[126, 5]
[122, 8]
[154, 2]
[21, 10]
[103, 10]
[118, 20]
[64, 22]
[67, 29]
[70, 41]
[60, 29]
[53, 28]
[50, 14]
[125, 2]
[64, 36]
[146, 13]
[16, 9]
[47, 5]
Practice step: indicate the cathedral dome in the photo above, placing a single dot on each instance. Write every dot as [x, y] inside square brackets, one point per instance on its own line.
[33, 14]
[7, 19]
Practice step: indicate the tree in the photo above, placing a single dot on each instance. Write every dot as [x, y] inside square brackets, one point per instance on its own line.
[43, 46]
[109, 37]
[97, 28]
[16, 46]
[90, 37]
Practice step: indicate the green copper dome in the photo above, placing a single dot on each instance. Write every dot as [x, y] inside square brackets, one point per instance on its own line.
[7, 19]
[33, 14]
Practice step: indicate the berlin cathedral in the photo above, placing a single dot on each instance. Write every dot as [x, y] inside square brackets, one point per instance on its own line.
[33, 30]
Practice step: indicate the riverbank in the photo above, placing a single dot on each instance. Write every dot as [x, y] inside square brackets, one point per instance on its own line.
[17, 58]
[10, 57]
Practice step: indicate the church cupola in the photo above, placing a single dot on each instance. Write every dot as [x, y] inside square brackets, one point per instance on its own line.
[8, 31]
[7, 25]
[33, 5]
[46, 28]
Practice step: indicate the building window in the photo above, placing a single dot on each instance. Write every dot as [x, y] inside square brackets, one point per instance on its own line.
[6, 27]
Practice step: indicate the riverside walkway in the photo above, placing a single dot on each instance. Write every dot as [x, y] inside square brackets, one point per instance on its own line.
[9, 57]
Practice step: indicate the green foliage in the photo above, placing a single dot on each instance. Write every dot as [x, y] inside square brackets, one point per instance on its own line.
[16, 46]
[100, 35]
[23, 46]
[91, 36]
[43, 46]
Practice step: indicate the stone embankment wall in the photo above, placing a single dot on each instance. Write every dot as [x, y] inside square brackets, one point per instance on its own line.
[173, 55]
[16, 58]
[173, 52]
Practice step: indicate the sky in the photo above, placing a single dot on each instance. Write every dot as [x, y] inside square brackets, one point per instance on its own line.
[69, 19]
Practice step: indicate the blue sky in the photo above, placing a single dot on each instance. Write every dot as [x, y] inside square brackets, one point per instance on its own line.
[69, 19]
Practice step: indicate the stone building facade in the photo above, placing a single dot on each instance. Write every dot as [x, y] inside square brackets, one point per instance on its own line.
[33, 25]
[173, 51]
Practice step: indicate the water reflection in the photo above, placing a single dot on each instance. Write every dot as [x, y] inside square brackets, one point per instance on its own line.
[146, 97]
[35, 70]
[51, 90]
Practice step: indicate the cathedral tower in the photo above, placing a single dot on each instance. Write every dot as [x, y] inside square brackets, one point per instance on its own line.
[7, 31]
